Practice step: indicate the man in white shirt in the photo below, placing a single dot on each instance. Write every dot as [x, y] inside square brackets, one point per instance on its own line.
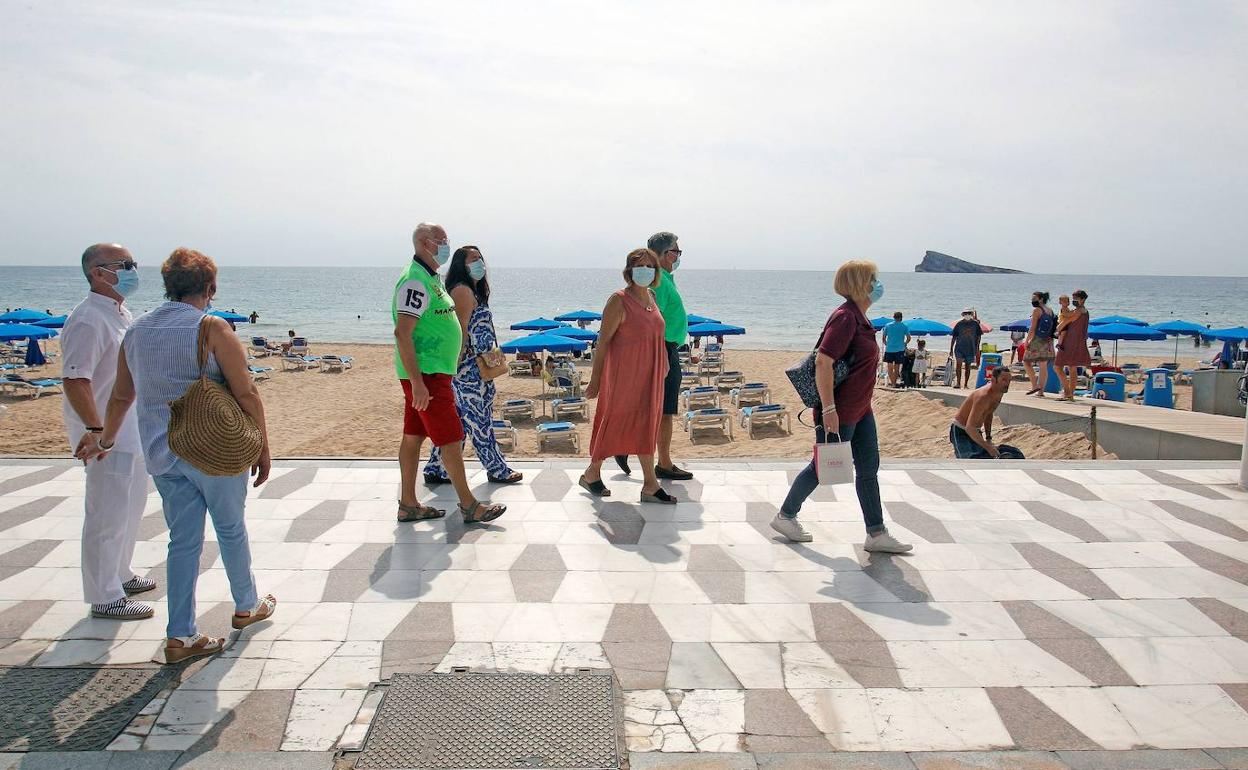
[117, 485]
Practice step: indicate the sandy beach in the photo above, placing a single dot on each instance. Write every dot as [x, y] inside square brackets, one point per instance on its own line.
[357, 414]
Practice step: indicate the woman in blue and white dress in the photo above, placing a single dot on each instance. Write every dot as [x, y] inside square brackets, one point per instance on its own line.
[474, 397]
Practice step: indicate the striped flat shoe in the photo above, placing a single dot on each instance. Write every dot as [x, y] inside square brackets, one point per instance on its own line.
[122, 609]
[138, 585]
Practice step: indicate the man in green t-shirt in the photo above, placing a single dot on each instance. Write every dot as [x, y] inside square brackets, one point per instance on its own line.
[427, 340]
[676, 320]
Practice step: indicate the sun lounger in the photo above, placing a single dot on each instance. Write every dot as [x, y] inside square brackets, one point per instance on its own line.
[331, 363]
[750, 393]
[714, 347]
[299, 363]
[518, 408]
[711, 366]
[260, 372]
[701, 397]
[34, 388]
[506, 434]
[708, 421]
[557, 431]
[728, 380]
[520, 368]
[569, 406]
[753, 417]
[259, 347]
[12, 367]
[689, 379]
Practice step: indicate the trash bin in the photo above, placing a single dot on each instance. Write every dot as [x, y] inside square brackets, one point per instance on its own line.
[1158, 388]
[1110, 386]
[987, 362]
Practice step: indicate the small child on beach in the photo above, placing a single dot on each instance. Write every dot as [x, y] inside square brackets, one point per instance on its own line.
[1064, 316]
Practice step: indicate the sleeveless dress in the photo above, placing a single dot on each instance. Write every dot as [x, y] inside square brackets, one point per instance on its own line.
[474, 398]
[630, 395]
[1074, 350]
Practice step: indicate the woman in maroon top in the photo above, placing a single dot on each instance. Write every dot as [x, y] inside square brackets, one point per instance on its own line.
[1073, 353]
[845, 409]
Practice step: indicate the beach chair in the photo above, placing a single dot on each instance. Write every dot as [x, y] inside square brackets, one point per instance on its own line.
[19, 386]
[260, 372]
[518, 408]
[717, 421]
[701, 397]
[714, 347]
[1134, 372]
[753, 417]
[331, 363]
[259, 347]
[12, 367]
[505, 434]
[750, 393]
[296, 363]
[711, 366]
[557, 432]
[728, 380]
[689, 379]
[569, 406]
[520, 368]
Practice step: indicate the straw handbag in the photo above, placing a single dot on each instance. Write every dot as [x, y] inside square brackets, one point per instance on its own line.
[208, 428]
[492, 364]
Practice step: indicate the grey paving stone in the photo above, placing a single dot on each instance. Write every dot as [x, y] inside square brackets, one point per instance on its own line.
[696, 666]
[1231, 618]
[721, 587]
[711, 558]
[402, 656]
[318, 520]
[28, 555]
[919, 522]
[654, 760]
[268, 760]
[288, 482]
[1068, 572]
[1178, 482]
[762, 512]
[1231, 759]
[620, 527]
[16, 619]
[634, 623]
[1238, 693]
[775, 723]
[639, 665]
[1032, 724]
[1201, 519]
[152, 526]
[896, 576]
[871, 664]
[855, 760]
[65, 760]
[427, 622]
[1140, 759]
[1217, 563]
[143, 760]
[1066, 522]
[1062, 484]
[530, 586]
[18, 483]
[1067, 643]
[20, 514]
[987, 760]
[9, 761]
[256, 724]
[836, 623]
[539, 558]
[939, 485]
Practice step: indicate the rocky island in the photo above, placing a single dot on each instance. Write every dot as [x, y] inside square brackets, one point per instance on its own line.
[935, 262]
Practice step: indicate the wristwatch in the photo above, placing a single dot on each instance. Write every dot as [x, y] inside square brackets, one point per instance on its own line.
[94, 429]
[100, 444]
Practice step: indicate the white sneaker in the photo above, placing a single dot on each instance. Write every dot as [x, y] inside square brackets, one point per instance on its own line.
[885, 543]
[791, 528]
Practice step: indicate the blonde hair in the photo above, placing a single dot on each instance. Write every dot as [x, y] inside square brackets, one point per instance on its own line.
[853, 279]
[628, 265]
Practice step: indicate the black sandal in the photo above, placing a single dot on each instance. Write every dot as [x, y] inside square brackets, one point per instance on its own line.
[658, 496]
[482, 513]
[433, 481]
[515, 478]
[419, 512]
[595, 488]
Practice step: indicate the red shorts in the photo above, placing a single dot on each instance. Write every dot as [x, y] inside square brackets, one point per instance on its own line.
[440, 422]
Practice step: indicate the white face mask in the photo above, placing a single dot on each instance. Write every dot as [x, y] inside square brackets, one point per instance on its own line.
[643, 275]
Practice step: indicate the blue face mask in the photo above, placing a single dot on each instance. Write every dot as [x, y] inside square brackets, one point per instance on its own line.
[444, 254]
[676, 265]
[477, 270]
[127, 281]
[643, 276]
[877, 291]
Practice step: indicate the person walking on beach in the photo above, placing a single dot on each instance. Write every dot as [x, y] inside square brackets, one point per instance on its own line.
[1073, 352]
[1039, 343]
[469, 288]
[896, 337]
[963, 346]
[628, 377]
[160, 358]
[666, 247]
[117, 486]
[1016, 339]
[428, 342]
[844, 410]
[971, 431]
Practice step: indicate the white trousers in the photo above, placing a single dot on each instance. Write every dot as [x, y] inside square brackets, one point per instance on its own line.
[116, 496]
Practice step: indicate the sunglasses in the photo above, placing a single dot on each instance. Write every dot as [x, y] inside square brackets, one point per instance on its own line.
[677, 252]
[127, 264]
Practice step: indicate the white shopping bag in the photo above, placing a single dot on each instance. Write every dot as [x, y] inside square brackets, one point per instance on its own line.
[834, 463]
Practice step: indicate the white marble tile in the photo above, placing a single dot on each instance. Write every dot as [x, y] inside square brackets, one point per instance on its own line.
[288, 664]
[188, 715]
[345, 673]
[807, 666]
[959, 556]
[1181, 660]
[996, 585]
[576, 655]
[997, 531]
[1135, 617]
[227, 674]
[1200, 716]
[1093, 713]
[937, 719]
[318, 718]
[760, 623]
[978, 663]
[651, 724]
[843, 716]
[1169, 583]
[526, 657]
[755, 665]
[714, 719]
[1106, 555]
[938, 620]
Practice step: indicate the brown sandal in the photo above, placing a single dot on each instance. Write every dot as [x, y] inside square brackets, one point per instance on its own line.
[481, 513]
[263, 610]
[193, 647]
[419, 512]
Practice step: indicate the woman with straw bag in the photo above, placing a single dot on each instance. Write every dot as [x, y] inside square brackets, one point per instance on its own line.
[201, 423]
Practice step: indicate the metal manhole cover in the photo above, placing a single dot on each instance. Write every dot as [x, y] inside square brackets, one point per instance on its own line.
[72, 709]
[489, 721]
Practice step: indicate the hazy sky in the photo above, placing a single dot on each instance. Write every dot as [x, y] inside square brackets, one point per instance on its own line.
[1050, 136]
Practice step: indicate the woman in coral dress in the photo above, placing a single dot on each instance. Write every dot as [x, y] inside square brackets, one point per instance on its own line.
[629, 366]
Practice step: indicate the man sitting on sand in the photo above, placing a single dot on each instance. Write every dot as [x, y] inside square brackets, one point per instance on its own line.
[971, 431]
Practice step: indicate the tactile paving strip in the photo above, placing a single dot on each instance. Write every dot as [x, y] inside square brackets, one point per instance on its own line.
[72, 709]
[488, 721]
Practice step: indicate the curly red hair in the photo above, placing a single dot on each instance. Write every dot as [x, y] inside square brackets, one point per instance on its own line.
[188, 273]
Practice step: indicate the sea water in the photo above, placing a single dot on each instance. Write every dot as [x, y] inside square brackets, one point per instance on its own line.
[782, 310]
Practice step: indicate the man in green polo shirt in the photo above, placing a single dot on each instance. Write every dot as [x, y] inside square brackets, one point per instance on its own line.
[427, 343]
[667, 298]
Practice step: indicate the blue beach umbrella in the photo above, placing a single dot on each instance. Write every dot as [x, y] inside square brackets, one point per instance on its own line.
[23, 316]
[1233, 334]
[536, 324]
[881, 322]
[573, 333]
[921, 327]
[1122, 331]
[714, 330]
[537, 343]
[1117, 319]
[579, 315]
[24, 332]
[1023, 325]
[1176, 329]
[227, 315]
[695, 320]
[55, 322]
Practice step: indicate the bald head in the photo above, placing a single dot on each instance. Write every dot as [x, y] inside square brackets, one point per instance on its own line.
[102, 254]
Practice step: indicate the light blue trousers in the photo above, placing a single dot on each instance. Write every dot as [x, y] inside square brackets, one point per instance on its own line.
[187, 494]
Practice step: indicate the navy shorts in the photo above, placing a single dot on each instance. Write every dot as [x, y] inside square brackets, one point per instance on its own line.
[895, 358]
[671, 385]
[965, 356]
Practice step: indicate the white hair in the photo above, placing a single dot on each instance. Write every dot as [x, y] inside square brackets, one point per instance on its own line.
[423, 230]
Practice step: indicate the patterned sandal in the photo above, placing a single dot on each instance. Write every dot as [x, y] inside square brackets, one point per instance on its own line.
[195, 646]
[123, 609]
[515, 478]
[419, 512]
[263, 610]
[482, 513]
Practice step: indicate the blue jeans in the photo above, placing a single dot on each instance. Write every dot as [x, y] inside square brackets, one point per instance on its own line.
[186, 494]
[964, 447]
[865, 444]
